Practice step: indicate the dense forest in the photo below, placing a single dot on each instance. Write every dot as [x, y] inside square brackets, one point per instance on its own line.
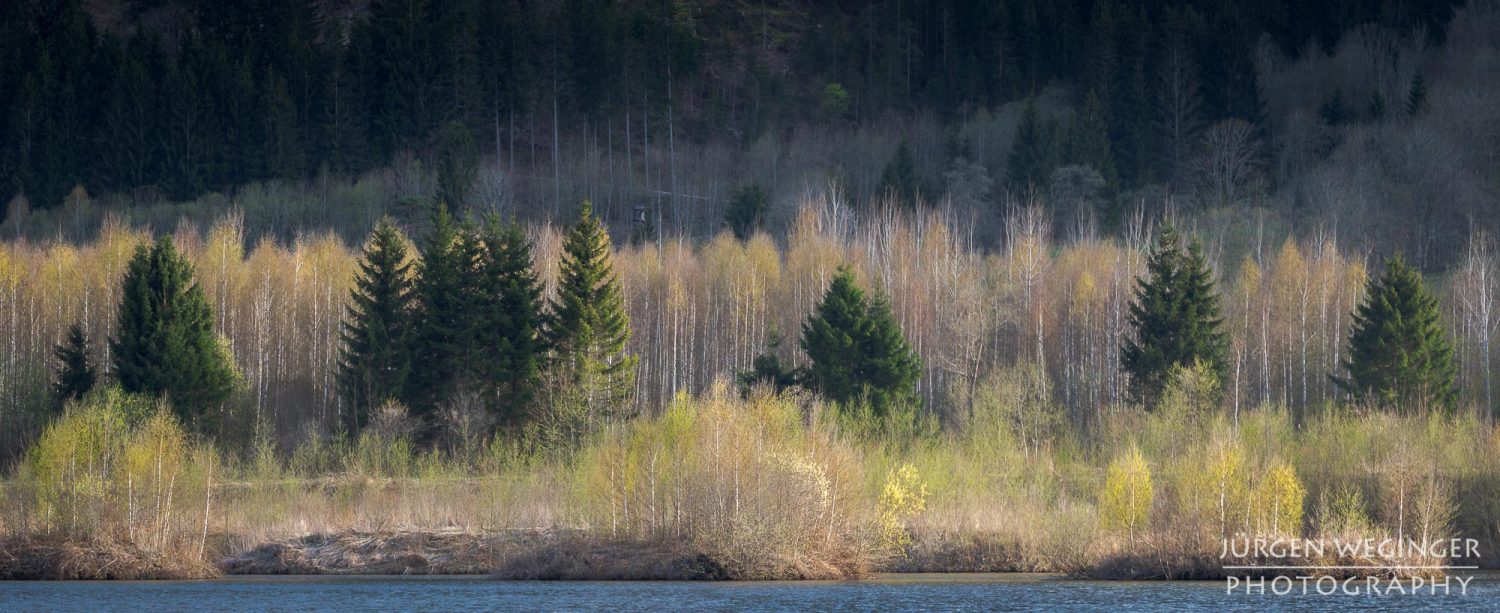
[1276, 114]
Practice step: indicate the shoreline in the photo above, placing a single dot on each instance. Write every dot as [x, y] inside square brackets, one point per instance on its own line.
[548, 555]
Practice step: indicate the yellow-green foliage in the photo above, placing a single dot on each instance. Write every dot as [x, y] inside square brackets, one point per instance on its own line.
[745, 481]
[1125, 501]
[1228, 482]
[904, 496]
[1192, 391]
[1277, 502]
[1211, 488]
[1341, 514]
[155, 457]
[1018, 397]
[374, 455]
[107, 468]
[72, 465]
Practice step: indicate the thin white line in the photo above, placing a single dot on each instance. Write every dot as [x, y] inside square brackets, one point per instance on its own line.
[1368, 567]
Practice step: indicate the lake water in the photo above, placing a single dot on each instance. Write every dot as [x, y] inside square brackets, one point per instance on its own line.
[885, 593]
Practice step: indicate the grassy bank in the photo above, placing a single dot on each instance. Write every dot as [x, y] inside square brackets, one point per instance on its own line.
[769, 487]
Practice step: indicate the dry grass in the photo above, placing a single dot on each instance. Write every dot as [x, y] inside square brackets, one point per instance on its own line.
[445, 552]
[62, 558]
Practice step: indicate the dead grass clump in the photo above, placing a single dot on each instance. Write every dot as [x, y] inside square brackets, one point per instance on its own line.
[44, 557]
[578, 557]
[444, 552]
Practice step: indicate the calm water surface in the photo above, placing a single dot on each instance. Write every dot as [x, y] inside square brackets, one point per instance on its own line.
[885, 593]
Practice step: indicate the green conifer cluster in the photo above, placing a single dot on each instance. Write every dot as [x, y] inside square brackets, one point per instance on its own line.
[1399, 355]
[588, 328]
[470, 320]
[1175, 317]
[856, 350]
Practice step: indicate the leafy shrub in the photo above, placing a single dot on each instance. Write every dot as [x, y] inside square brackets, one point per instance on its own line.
[745, 482]
[1277, 502]
[1125, 502]
[107, 469]
[903, 496]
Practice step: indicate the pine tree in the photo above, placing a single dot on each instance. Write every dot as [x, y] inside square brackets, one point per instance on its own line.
[1334, 111]
[165, 343]
[282, 151]
[768, 369]
[889, 368]
[458, 164]
[1399, 354]
[75, 374]
[899, 177]
[747, 211]
[373, 362]
[1416, 99]
[510, 321]
[1032, 155]
[1176, 319]
[1090, 144]
[830, 336]
[857, 350]
[588, 328]
[440, 340]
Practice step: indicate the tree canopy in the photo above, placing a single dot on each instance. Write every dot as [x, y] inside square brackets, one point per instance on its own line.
[1399, 353]
[588, 328]
[374, 361]
[75, 374]
[509, 321]
[165, 343]
[856, 348]
[1175, 318]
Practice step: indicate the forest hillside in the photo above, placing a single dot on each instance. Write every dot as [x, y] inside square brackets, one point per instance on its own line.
[1366, 122]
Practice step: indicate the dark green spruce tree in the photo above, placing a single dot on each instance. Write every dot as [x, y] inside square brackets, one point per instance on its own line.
[373, 362]
[747, 211]
[457, 164]
[440, 340]
[1032, 156]
[588, 328]
[1175, 318]
[75, 371]
[899, 178]
[1399, 354]
[1416, 97]
[768, 369]
[509, 322]
[165, 343]
[1089, 145]
[856, 349]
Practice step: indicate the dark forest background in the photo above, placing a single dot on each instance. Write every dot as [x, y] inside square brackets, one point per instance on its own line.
[1351, 117]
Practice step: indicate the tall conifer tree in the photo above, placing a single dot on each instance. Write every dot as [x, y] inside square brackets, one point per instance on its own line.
[440, 340]
[510, 321]
[1033, 155]
[75, 374]
[857, 350]
[373, 362]
[165, 343]
[457, 164]
[1090, 144]
[588, 327]
[1176, 319]
[899, 177]
[1399, 353]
